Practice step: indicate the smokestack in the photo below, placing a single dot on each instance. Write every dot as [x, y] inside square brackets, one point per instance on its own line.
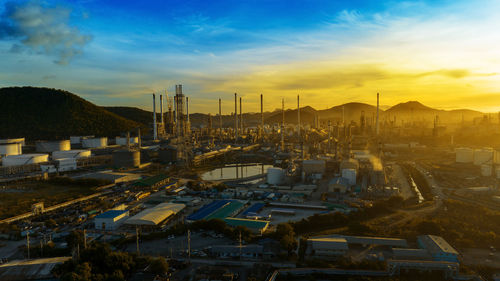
[188, 124]
[343, 116]
[298, 115]
[262, 115]
[128, 140]
[283, 125]
[155, 136]
[241, 117]
[235, 116]
[377, 122]
[161, 108]
[220, 118]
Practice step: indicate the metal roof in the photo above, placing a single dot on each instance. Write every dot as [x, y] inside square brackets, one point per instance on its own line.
[252, 224]
[156, 215]
[111, 214]
[435, 244]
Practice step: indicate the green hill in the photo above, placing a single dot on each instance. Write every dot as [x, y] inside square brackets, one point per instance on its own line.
[43, 113]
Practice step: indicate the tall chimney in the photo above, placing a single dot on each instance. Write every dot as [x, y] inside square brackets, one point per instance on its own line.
[241, 117]
[377, 122]
[283, 125]
[235, 116]
[298, 115]
[128, 140]
[161, 108]
[155, 136]
[139, 141]
[188, 124]
[262, 115]
[220, 118]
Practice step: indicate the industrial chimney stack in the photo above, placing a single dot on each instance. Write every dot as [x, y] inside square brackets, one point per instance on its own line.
[155, 136]
[235, 116]
[377, 122]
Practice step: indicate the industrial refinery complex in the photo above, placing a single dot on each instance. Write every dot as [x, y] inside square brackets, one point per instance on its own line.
[220, 194]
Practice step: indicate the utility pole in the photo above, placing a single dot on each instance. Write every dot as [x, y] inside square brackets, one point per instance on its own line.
[189, 246]
[41, 248]
[84, 238]
[28, 242]
[137, 240]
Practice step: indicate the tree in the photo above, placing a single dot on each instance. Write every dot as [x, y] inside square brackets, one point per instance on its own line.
[159, 266]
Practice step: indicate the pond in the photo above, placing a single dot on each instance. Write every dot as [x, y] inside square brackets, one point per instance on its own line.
[235, 171]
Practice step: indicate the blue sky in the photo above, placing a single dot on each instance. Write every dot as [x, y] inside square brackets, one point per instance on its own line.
[330, 52]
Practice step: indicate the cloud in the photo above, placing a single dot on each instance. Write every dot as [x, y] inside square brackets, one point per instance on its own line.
[42, 29]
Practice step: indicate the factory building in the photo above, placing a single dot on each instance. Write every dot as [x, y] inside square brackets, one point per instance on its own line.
[439, 249]
[110, 220]
[334, 246]
[313, 166]
[154, 181]
[24, 159]
[367, 240]
[349, 175]
[157, 215]
[51, 146]
[218, 209]
[484, 156]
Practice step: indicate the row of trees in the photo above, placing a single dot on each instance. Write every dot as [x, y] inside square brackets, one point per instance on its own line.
[100, 263]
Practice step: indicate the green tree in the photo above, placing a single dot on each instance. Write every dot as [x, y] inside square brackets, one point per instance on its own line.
[159, 266]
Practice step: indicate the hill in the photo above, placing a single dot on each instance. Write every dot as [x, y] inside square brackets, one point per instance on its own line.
[43, 113]
[352, 111]
[133, 113]
[414, 110]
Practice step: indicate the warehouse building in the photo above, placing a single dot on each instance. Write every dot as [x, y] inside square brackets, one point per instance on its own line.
[439, 249]
[333, 247]
[217, 209]
[367, 240]
[110, 220]
[157, 215]
[156, 181]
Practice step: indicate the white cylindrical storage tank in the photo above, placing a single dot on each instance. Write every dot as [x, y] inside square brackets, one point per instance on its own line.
[24, 159]
[94, 142]
[464, 155]
[484, 156]
[275, 176]
[11, 149]
[77, 153]
[51, 146]
[486, 170]
[123, 140]
[350, 175]
[497, 172]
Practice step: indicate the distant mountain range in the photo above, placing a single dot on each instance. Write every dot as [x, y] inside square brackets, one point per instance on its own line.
[43, 113]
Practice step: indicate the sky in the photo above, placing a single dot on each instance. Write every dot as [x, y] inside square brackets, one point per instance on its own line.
[445, 54]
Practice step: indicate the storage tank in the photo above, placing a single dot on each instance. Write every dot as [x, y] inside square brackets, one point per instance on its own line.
[350, 175]
[275, 176]
[123, 140]
[18, 140]
[167, 154]
[11, 149]
[78, 139]
[483, 156]
[126, 158]
[94, 142]
[76, 153]
[486, 170]
[464, 155]
[24, 159]
[51, 146]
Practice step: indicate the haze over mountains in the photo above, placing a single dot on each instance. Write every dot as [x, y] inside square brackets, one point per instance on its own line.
[43, 113]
